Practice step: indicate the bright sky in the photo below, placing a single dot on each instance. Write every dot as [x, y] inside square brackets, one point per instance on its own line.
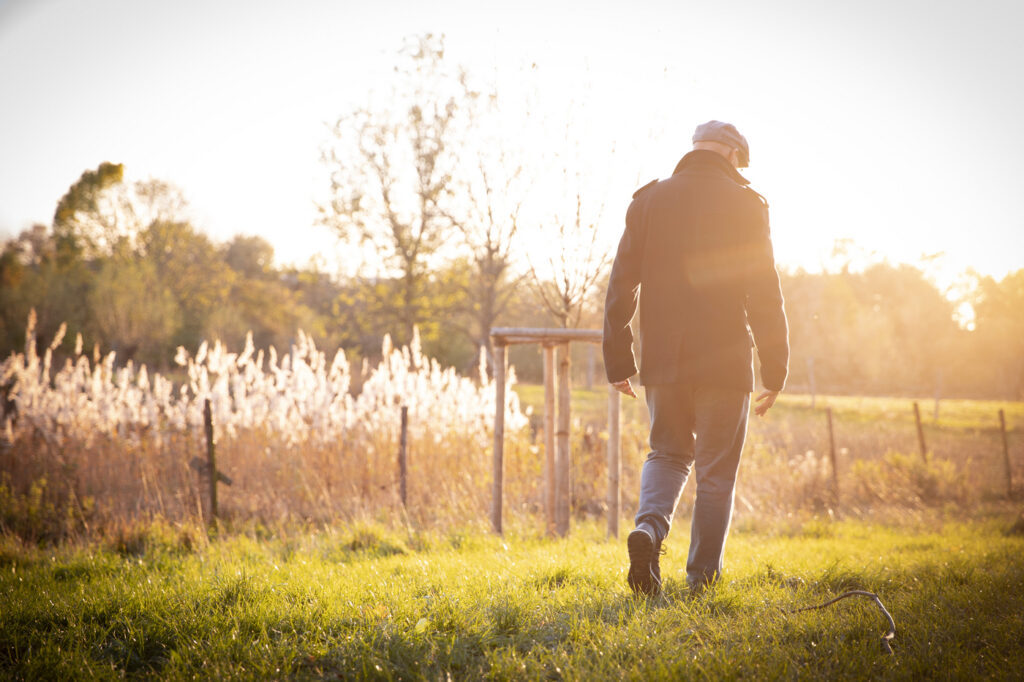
[898, 124]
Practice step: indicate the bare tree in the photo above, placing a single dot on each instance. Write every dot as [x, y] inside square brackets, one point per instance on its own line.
[575, 261]
[485, 207]
[390, 167]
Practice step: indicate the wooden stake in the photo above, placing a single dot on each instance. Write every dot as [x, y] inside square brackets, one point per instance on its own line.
[211, 459]
[832, 456]
[403, 468]
[549, 437]
[591, 365]
[1006, 455]
[614, 461]
[920, 433]
[810, 377]
[557, 469]
[497, 491]
[562, 453]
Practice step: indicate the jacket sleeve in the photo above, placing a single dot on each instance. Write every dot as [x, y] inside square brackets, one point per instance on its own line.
[621, 299]
[765, 312]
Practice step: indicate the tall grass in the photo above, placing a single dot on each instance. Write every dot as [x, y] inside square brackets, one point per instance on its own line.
[94, 443]
[786, 467]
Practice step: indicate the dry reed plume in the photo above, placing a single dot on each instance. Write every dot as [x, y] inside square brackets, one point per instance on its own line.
[93, 443]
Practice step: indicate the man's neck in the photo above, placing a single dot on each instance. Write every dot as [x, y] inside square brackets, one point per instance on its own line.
[723, 150]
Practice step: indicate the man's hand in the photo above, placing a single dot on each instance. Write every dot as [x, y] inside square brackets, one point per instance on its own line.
[624, 387]
[764, 402]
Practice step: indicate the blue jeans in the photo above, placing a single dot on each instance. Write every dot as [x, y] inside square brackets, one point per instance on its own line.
[691, 426]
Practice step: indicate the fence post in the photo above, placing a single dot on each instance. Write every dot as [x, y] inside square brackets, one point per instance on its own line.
[557, 423]
[403, 467]
[211, 459]
[591, 365]
[832, 456]
[562, 454]
[614, 461]
[497, 491]
[810, 376]
[920, 433]
[1006, 455]
[549, 436]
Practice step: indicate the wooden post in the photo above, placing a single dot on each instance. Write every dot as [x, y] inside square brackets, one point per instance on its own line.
[920, 433]
[557, 389]
[1006, 455]
[832, 456]
[614, 461]
[562, 453]
[810, 377]
[549, 437]
[497, 491]
[211, 458]
[403, 468]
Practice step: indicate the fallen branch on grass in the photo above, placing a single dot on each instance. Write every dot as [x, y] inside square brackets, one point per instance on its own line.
[886, 638]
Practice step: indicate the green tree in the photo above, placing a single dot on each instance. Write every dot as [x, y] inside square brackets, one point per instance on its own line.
[32, 276]
[76, 235]
[916, 327]
[263, 301]
[135, 313]
[996, 352]
[249, 256]
[884, 330]
[190, 266]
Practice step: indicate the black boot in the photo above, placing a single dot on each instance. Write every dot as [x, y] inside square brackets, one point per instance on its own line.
[644, 572]
[656, 562]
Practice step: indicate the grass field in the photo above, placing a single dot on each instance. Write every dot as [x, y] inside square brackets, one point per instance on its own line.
[282, 596]
[953, 414]
[365, 602]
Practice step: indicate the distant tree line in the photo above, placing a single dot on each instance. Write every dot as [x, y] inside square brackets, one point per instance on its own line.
[123, 268]
[889, 330]
[129, 274]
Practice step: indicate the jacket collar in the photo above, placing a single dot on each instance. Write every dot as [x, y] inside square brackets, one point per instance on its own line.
[704, 159]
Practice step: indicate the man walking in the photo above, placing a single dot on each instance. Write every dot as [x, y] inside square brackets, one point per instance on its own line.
[697, 255]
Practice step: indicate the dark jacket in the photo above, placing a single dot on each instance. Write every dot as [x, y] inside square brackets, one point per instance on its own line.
[697, 253]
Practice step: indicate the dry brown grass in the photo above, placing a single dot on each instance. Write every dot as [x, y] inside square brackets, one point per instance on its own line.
[786, 466]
